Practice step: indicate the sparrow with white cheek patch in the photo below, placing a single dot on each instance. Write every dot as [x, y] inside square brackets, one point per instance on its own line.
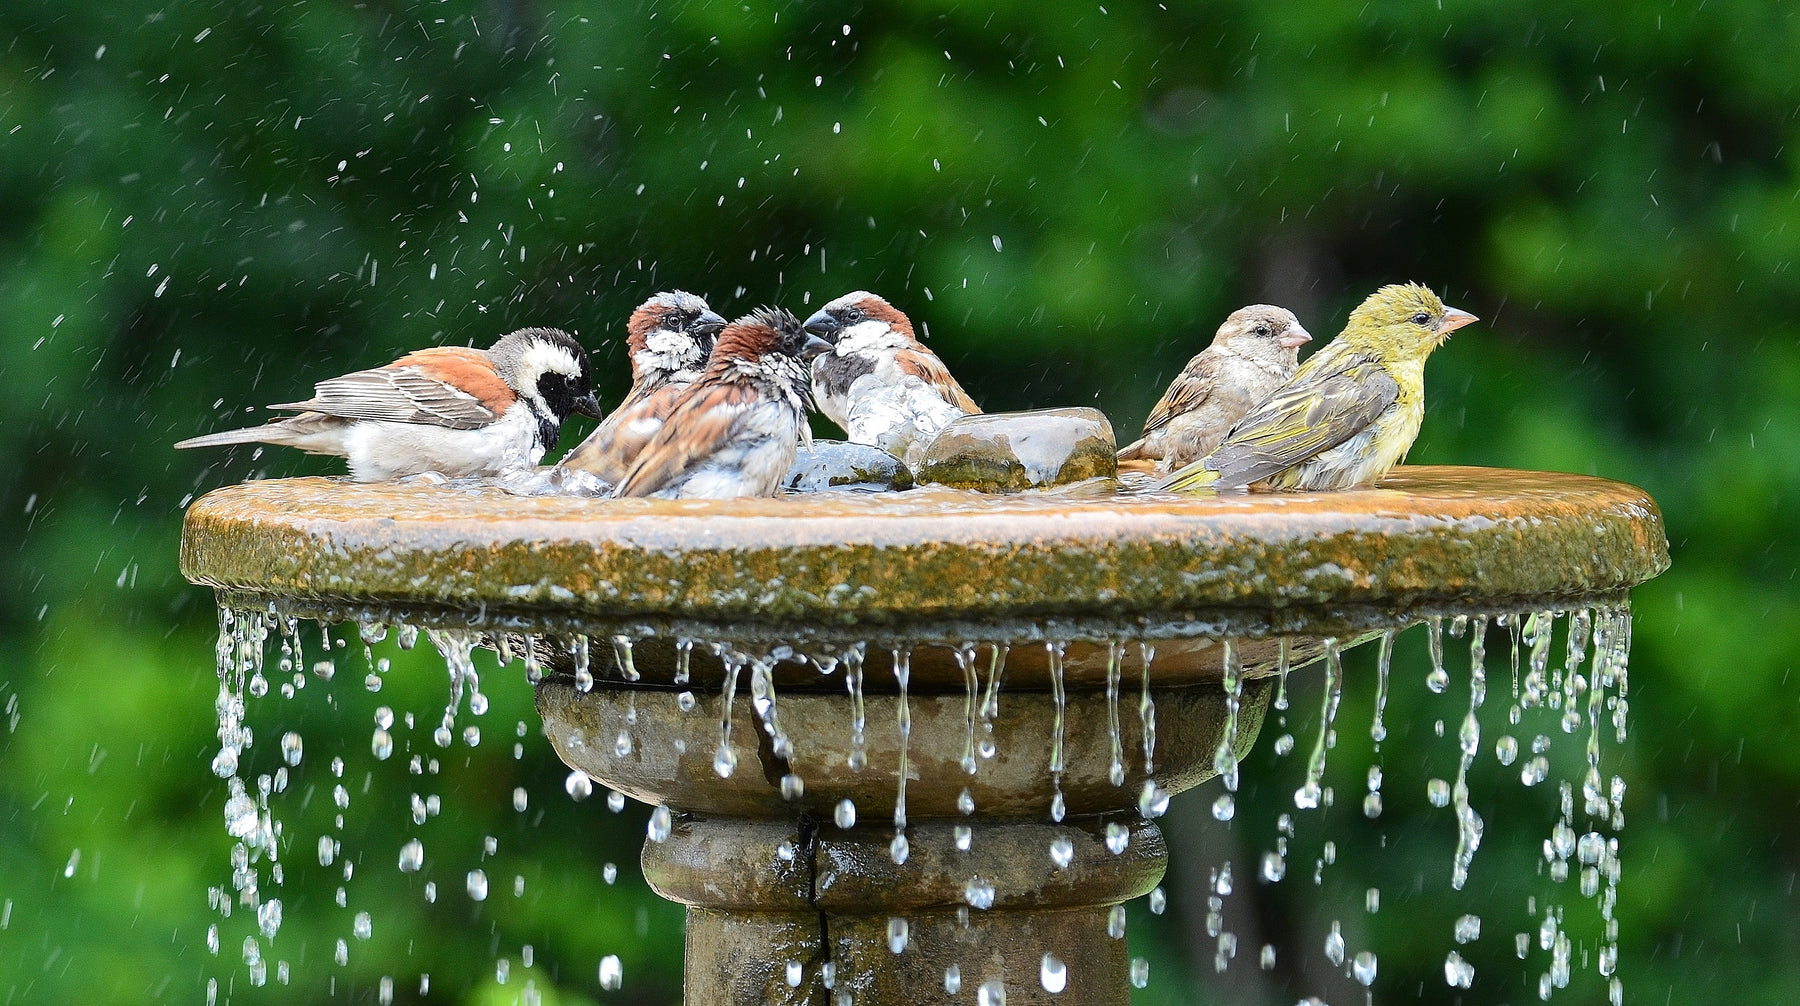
[670, 336]
[870, 337]
[1251, 355]
[736, 430]
[449, 409]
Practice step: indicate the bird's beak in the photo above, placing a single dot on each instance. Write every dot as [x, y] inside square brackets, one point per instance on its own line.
[813, 346]
[1295, 337]
[589, 406]
[1453, 320]
[823, 325]
[710, 323]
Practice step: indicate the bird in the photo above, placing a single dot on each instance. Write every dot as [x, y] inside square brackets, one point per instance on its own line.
[736, 430]
[453, 410]
[870, 337]
[1251, 355]
[669, 337]
[1349, 413]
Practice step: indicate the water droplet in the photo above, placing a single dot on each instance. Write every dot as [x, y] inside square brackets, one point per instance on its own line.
[1140, 972]
[899, 849]
[609, 873]
[412, 856]
[979, 893]
[686, 701]
[1062, 852]
[792, 787]
[578, 785]
[794, 973]
[1118, 838]
[1334, 945]
[725, 761]
[1363, 968]
[1459, 973]
[1153, 801]
[381, 744]
[478, 885]
[897, 930]
[965, 802]
[291, 747]
[1438, 792]
[1224, 808]
[615, 801]
[612, 974]
[1159, 900]
[362, 927]
[661, 823]
[845, 814]
[1468, 928]
[1053, 974]
[963, 835]
[1115, 922]
[953, 979]
[1284, 744]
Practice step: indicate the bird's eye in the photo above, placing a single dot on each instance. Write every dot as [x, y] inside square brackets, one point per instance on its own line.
[1262, 330]
[852, 315]
[1421, 318]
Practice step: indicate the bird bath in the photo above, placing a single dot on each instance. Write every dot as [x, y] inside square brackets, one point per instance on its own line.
[912, 746]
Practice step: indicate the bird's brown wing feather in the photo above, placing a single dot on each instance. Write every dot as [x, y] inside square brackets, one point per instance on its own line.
[1186, 393]
[417, 388]
[609, 451]
[701, 422]
[1313, 413]
[925, 365]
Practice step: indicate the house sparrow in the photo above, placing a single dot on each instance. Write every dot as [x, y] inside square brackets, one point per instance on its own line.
[736, 430]
[669, 336]
[1251, 355]
[1349, 413]
[451, 410]
[870, 338]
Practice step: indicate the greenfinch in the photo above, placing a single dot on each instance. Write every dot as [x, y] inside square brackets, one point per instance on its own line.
[1253, 353]
[1350, 412]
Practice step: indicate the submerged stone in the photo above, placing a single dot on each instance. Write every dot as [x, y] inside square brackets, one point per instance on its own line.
[836, 465]
[1013, 451]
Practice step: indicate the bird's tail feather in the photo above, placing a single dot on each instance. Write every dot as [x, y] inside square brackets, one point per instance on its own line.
[271, 433]
[1193, 476]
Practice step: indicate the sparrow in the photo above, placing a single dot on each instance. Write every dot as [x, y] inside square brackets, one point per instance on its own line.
[736, 430]
[1349, 413]
[871, 338]
[669, 337]
[451, 410]
[1251, 355]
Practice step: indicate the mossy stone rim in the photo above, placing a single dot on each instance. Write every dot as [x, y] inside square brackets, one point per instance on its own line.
[934, 563]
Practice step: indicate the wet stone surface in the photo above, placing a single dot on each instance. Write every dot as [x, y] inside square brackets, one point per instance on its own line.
[900, 419]
[836, 465]
[1012, 451]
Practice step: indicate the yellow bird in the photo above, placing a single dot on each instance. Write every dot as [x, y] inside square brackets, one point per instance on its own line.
[1349, 413]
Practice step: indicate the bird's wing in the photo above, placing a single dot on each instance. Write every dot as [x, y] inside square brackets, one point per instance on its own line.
[925, 365]
[705, 420]
[1186, 393]
[609, 451]
[449, 386]
[1314, 412]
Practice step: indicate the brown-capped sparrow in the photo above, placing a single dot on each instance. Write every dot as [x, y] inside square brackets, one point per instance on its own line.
[735, 431]
[669, 336]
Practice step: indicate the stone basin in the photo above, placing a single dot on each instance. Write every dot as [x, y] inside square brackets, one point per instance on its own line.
[785, 905]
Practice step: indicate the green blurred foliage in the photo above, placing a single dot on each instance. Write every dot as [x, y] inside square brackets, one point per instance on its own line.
[205, 207]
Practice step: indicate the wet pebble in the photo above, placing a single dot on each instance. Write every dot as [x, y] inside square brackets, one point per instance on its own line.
[836, 465]
[1012, 451]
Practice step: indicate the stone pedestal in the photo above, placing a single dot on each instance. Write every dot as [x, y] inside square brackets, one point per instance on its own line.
[784, 905]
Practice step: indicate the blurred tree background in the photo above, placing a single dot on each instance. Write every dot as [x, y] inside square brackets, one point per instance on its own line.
[205, 207]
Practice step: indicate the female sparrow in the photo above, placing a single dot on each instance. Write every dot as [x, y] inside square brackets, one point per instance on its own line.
[735, 430]
[670, 336]
[449, 409]
[1252, 354]
[1349, 413]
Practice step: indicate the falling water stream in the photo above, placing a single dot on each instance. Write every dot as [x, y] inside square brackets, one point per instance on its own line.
[1580, 695]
